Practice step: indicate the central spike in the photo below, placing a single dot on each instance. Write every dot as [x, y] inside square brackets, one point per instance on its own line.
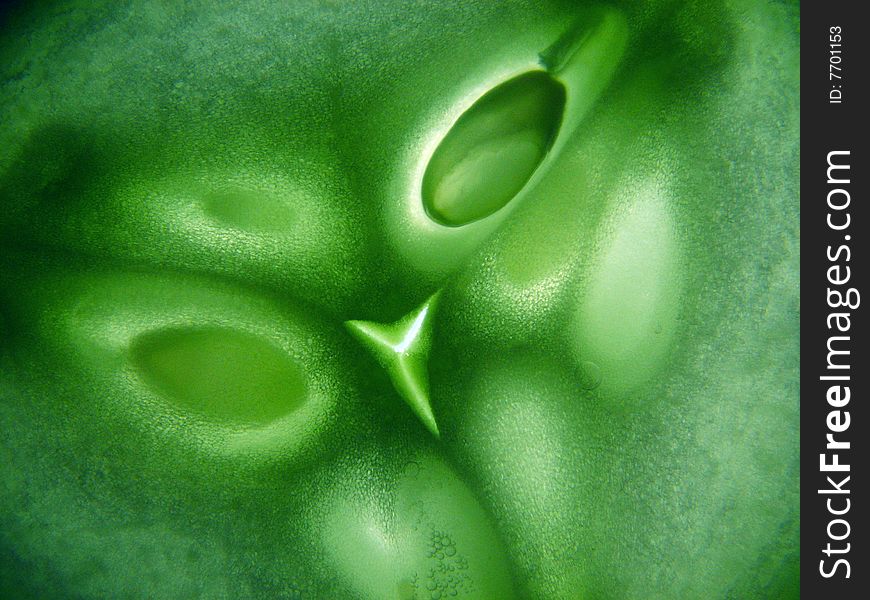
[402, 348]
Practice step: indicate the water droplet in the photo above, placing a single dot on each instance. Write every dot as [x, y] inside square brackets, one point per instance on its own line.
[412, 469]
[591, 376]
[221, 374]
[493, 149]
[406, 590]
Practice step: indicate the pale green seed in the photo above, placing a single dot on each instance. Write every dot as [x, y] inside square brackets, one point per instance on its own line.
[494, 148]
[220, 374]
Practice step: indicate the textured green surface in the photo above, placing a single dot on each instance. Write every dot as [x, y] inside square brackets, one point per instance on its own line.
[197, 197]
